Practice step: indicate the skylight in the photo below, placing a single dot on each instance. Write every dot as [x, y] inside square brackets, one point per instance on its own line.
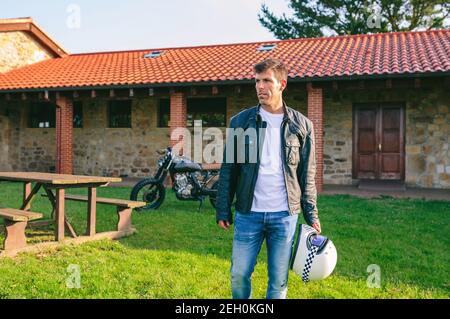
[266, 47]
[153, 54]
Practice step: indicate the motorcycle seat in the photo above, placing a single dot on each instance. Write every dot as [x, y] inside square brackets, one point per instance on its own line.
[188, 167]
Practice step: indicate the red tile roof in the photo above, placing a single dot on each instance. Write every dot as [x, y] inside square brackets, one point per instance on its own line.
[342, 56]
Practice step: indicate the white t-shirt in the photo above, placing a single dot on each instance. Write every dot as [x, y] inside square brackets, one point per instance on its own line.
[270, 189]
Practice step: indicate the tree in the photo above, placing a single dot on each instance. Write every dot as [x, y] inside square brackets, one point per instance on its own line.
[316, 18]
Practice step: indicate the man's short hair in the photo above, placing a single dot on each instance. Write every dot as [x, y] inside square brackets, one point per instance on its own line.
[279, 68]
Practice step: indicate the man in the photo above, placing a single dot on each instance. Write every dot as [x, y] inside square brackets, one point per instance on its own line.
[271, 189]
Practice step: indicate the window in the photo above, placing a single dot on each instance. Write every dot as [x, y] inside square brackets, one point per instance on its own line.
[77, 114]
[153, 54]
[212, 111]
[163, 112]
[42, 115]
[119, 113]
[266, 47]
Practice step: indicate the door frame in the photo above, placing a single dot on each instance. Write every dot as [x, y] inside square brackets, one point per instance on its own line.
[377, 104]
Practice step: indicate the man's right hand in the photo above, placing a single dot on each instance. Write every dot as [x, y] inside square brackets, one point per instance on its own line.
[224, 224]
[317, 227]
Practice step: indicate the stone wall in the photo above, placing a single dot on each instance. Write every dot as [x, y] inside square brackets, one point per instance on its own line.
[5, 140]
[18, 49]
[427, 155]
[9, 136]
[100, 150]
[428, 138]
[337, 141]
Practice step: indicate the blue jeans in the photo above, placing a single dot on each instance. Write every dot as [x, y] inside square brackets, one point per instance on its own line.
[278, 228]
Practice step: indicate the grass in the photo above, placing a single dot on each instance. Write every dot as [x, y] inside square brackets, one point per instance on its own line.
[179, 252]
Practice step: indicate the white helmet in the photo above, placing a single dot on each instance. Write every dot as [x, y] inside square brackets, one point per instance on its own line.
[314, 255]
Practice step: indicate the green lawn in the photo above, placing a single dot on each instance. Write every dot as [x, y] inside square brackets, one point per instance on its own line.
[179, 252]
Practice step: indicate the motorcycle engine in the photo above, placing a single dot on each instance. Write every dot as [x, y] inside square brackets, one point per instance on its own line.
[183, 186]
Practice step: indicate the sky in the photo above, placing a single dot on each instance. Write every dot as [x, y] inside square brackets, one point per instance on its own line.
[112, 25]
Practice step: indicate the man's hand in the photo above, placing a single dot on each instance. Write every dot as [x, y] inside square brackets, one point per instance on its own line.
[316, 226]
[224, 224]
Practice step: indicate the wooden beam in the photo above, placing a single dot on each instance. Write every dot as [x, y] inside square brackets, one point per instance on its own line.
[215, 90]
[59, 229]
[24, 96]
[151, 92]
[111, 93]
[131, 93]
[92, 203]
[93, 94]
[237, 89]
[26, 194]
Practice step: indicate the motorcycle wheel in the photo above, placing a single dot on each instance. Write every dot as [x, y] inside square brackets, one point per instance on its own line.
[149, 191]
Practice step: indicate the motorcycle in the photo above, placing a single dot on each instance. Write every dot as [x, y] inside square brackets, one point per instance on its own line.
[189, 182]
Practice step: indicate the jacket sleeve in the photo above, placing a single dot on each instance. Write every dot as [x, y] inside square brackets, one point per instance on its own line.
[306, 173]
[227, 180]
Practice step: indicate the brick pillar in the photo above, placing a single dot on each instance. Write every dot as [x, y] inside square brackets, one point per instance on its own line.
[315, 114]
[64, 142]
[178, 113]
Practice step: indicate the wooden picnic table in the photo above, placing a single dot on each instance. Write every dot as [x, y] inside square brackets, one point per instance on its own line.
[55, 186]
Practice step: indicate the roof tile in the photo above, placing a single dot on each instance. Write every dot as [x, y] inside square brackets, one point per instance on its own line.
[375, 54]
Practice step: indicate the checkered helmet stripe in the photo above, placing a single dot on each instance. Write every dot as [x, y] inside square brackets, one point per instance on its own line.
[308, 263]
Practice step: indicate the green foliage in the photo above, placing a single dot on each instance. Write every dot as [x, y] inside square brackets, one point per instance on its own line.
[317, 18]
[179, 252]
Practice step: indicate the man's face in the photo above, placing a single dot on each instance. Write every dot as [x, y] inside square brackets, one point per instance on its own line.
[268, 89]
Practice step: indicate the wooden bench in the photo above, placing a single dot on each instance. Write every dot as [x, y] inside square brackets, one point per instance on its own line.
[15, 223]
[124, 208]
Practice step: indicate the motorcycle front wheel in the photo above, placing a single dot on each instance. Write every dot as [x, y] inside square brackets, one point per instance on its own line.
[149, 191]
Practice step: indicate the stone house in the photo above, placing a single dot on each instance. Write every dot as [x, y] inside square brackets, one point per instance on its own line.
[379, 102]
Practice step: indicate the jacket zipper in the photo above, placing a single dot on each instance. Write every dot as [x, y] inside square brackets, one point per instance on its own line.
[255, 170]
[284, 163]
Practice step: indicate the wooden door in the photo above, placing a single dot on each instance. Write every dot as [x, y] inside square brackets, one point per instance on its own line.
[378, 135]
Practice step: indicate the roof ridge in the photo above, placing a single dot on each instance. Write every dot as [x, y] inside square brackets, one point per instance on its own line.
[267, 41]
[16, 20]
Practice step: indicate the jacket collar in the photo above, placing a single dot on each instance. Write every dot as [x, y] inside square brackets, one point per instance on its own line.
[256, 116]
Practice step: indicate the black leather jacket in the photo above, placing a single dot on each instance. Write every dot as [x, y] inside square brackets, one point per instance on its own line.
[238, 174]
